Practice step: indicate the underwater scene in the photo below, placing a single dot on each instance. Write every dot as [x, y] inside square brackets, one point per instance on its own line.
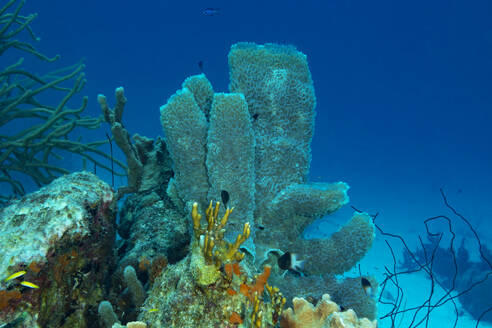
[245, 164]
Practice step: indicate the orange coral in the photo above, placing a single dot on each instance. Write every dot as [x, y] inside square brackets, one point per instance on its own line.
[35, 267]
[144, 264]
[231, 268]
[259, 285]
[64, 263]
[228, 269]
[6, 296]
[159, 263]
[236, 268]
[244, 289]
[235, 318]
[261, 280]
[59, 268]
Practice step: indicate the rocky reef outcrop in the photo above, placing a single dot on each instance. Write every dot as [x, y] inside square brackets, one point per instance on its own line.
[59, 242]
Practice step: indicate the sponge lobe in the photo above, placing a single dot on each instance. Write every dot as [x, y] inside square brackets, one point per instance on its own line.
[343, 249]
[185, 128]
[230, 159]
[202, 91]
[277, 85]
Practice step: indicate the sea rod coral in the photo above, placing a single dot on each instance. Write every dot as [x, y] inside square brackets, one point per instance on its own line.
[40, 131]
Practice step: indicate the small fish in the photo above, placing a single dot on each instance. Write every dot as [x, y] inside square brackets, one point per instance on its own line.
[366, 285]
[15, 275]
[29, 284]
[225, 197]
[200, 65]
[211, 11]
[290, 261]
[153, 310]
[255, 116]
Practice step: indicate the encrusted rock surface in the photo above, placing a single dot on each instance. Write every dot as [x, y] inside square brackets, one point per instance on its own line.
[62, 236]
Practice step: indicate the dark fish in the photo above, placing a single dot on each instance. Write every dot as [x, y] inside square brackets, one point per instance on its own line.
[225, 197]
[211, 11]
[366, 285]
[255, 116]
[200, 65]
[290, 261]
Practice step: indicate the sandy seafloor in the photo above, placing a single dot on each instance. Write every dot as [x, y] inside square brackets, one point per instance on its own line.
[417, 285]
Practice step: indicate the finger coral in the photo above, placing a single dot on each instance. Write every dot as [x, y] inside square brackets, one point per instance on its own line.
[215, 250]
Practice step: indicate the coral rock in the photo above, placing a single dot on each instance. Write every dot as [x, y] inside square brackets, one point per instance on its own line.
[326, 314]
[62, 236]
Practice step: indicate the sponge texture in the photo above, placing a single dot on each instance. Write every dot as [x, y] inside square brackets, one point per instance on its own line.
[343, 249]
[277, 85]
[230, 159]
[134, 286]
[312, 200]
[185, 127]
[107, 315]
[202, 91]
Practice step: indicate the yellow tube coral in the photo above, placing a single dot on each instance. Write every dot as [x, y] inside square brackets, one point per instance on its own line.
[215, 249]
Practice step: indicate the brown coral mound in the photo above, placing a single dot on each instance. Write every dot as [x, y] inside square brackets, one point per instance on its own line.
[326, 314]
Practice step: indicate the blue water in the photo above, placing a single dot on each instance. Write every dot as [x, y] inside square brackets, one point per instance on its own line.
[404, 101]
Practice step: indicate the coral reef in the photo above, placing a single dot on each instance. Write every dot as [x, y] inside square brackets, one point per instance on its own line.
[146, 159]
[154, 234]
[151, 226]
[211, 289]
[251, 148]
[326, 314]
[267, 164]
[346, 292]
[62, 237]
